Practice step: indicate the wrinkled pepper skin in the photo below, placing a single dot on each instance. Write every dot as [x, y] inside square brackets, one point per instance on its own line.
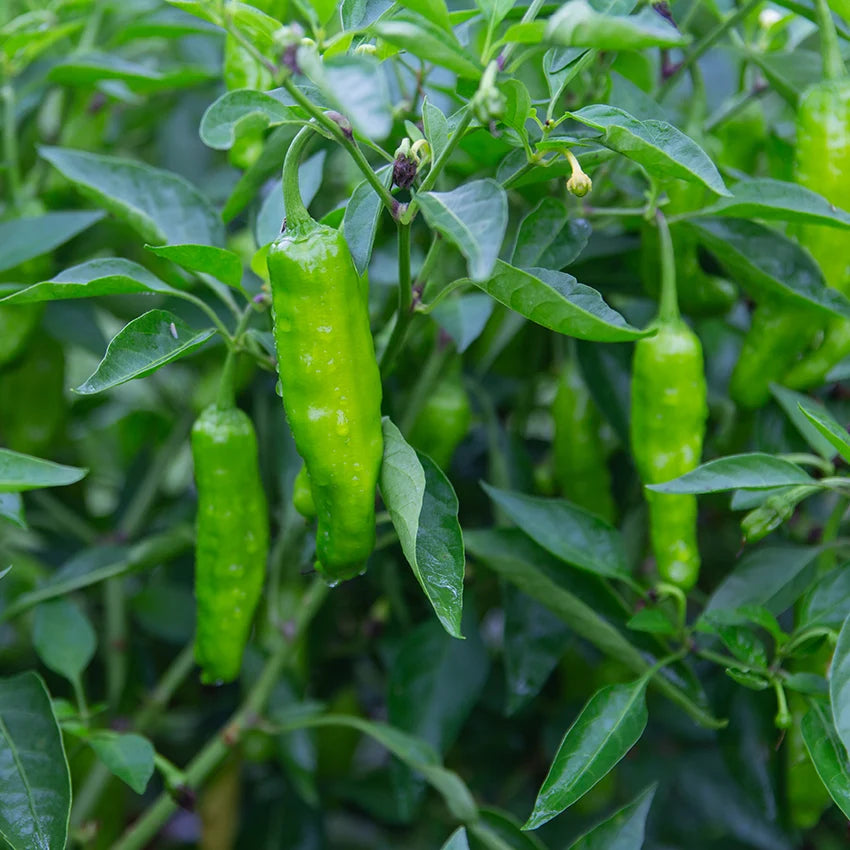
[331, 388]
[232, 539]
[822, 164]
[668, 416]
[581, 468]
[443, 421]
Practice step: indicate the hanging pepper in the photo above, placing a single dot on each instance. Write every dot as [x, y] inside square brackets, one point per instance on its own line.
[444, 419]
[329, 377]
[232, 539]
[581, 468]
[668, 413]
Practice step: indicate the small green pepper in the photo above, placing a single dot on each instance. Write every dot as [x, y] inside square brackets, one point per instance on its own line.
[302, 494]
[329, 377]
[668, 413]
[232, 539]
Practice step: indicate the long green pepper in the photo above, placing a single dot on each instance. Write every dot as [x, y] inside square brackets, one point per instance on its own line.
[232, 539]
[668, 413]
[329, 377]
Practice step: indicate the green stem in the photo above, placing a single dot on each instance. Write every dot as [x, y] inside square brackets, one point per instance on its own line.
[833, 64]
[530, 14]
[668, 310]
[10, 145]
[60, 516]
[830, 532]
[217, 749]
[100, 775]
[404, 315]
[346, 140]
[227, 385]
[575, 69]
[115, 626]
[296, 213]
[704, 44]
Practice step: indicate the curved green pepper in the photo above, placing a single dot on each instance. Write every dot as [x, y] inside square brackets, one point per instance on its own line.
[668, 413]
[329, 377]
[232, 539]
[581, 468]
[444, 419]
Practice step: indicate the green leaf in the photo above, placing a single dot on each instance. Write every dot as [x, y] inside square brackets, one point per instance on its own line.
[652, 620]
[428, 42]
[363, 13]
[357, 87]
[656, 145]
[130, 757]
[548, 238]
[755, 471]
[498, 830]
[569, 532]
[222, 264]
[495, 10]
[161, 206]
[517, 105]
[624, 830]
[141, 347]
[434, 10]
[91, 68]
[414, 752]
[608, 727]
[522, 562]
[360, 221]
[423, 508]
[463, 318]
[474, 217]
[35, 784]
[22, 472]
[578, 24]
[535, 639]
[772, 576]
[63, 637]
[436, 127]
[223, 119]
[827, 603]
[21, 239]
[457, 840]
[778, 200]
[828, 426]
[794, 404]
[557, 301]
[839, 684]
[768, 264]
[107, 276]
[828, 755]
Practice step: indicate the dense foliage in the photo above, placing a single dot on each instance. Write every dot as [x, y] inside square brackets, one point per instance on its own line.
[602, 248]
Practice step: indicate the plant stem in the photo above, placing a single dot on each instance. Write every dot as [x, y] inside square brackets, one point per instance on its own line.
[10, 145]
[530, 14]
[704, 44]
[226, 388]
[216, 750]
[833, 64]
[668, 310]
[296, 213]
[404, 313]
[100, 775]
[346, 140]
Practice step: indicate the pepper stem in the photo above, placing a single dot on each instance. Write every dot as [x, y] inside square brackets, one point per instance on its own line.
[668, 310]
[296, 212]
[833, 64]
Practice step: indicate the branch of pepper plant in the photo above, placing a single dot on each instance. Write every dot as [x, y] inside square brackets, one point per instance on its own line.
[404, 313]
[100, 775]
[704, 44]
[137, 836]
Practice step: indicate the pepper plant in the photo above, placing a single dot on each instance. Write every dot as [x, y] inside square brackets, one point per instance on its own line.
[422, 424]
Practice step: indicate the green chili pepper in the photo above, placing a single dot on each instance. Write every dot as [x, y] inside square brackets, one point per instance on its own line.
[32, 397]
[329, 377]
[581, 468]
[822, 163]
[232, 539]
[668, 412]
[444, 419]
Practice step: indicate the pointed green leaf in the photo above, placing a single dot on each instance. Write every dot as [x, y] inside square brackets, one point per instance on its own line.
[20, 472]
